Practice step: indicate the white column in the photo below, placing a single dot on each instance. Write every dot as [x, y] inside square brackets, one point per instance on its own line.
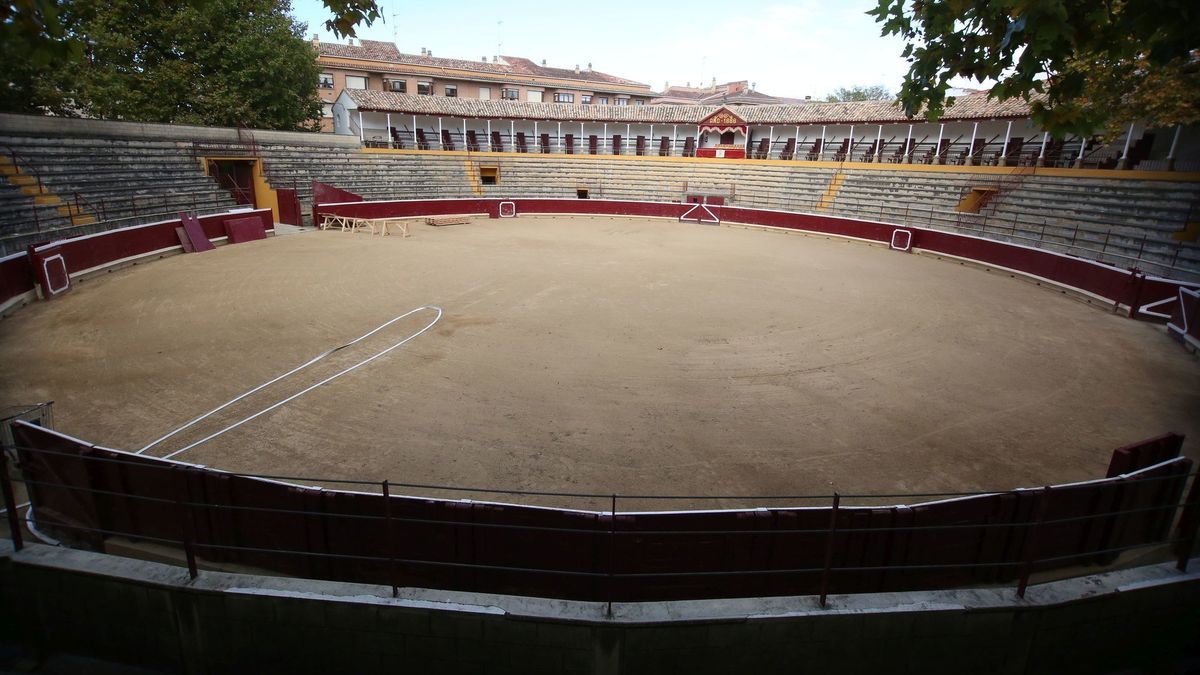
[625, 141]
[1174, 144]
[971, 146]
[560, 139]
[416, 146]
[466, 146]
[697, 141]
[675, 137]
[796, 147]
[537, 140]
[908, 146]
[652, 138]
[770, 140]
[389, 130]
[850, 146]
[512, 135]
[1124, 162]
[747, 141]
[1003, 161]
[937, 148]
[821, 154]
[878, 147]
[361, 136]
[1082, 148]
[489, 135]
[604, 141]
[440, 143]
[1042, 152]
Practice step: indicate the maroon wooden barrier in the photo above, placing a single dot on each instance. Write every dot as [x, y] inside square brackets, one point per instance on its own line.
[85, 494]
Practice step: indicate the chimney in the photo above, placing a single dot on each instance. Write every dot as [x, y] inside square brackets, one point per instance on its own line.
[316, 40]
[422, 51]
[589, 66]
[543, 63]
[576, 68]
[807, 98]
[714, 84]
[428, 52]
[485, 59]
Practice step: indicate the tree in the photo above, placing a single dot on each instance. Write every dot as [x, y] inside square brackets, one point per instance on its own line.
[210, 62]
[1083, 65]
[875, 92]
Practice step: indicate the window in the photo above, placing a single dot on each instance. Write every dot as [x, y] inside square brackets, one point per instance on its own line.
[424, 88]
[398, 86]
[510, 94]
[327, 110]
[489, 175]
[601, 100]
[452, 91]
[564, 98]
[485, 93]
[535, 97]
[325, 81]
[639, 102]
[622, 101]
[587, 99]
[356, 82]
[581, 193]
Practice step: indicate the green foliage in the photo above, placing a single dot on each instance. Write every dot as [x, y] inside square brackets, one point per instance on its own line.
[1083, 64]
[212, 62]
[875, 92]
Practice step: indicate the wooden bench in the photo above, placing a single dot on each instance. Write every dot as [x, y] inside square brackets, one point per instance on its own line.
[442, 221]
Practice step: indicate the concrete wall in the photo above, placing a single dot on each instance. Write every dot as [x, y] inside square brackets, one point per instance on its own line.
[55, 127]
[152, 615]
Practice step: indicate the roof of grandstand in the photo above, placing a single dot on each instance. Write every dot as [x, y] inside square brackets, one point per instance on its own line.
[973, 106]
[375, 50]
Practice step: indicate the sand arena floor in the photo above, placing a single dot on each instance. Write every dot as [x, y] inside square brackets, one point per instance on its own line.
[606, 355]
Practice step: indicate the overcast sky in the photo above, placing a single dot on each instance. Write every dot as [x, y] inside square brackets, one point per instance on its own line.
[805, 47]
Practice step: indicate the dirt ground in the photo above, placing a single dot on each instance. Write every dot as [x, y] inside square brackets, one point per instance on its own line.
[606, 355]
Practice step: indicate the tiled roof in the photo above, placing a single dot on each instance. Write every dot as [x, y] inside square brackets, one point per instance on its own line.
[373, 50]
[367, 49]
[974, 106]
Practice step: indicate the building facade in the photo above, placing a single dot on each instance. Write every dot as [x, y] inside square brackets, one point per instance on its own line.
[370, 65]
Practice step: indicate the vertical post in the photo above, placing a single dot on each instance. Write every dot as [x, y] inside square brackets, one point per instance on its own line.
[1004, 148]
[628, 133]
[388, 538]
[1041, 160]
[796, 146]
[389, 130]
[971, 146]
[183, 501]
[512, 135]
[937, 147]
[466, 145]
[850, 146]
[1082, 149]
[770, 141]
[416, 144]
[1189, 523]
[747, 141]
[675, 137]
[821, 154]
[1124, 161]
[833, 515]
[441, 143]
[878, 140]
[560, 138]
[489, 136]
[1174, 144]
[908, 146]
[1029, 550]
[537, 139]
[605, 146]
[10, 503]
[361, 134]
[612, 554]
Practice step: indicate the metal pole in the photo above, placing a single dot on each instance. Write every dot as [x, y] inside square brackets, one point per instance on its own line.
[560, 138]
[512, 135]
[675, 136]
[1042, 152]
[971, 146]
[1174, 143]
[489, 136]
[416, 144]
[878, 137]
[908, 146]
[937, 148]
[10, 503]
[441, 143]
[389, 130]
[833, 514]
[388, 538]
[612, 544]
[1029, 551]
[361, 135]
[183, 500]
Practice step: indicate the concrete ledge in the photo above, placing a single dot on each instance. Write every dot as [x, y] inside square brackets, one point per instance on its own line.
[153, 615]
[55, 127]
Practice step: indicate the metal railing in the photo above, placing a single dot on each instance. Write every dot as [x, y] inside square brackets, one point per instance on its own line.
[1177, 520]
